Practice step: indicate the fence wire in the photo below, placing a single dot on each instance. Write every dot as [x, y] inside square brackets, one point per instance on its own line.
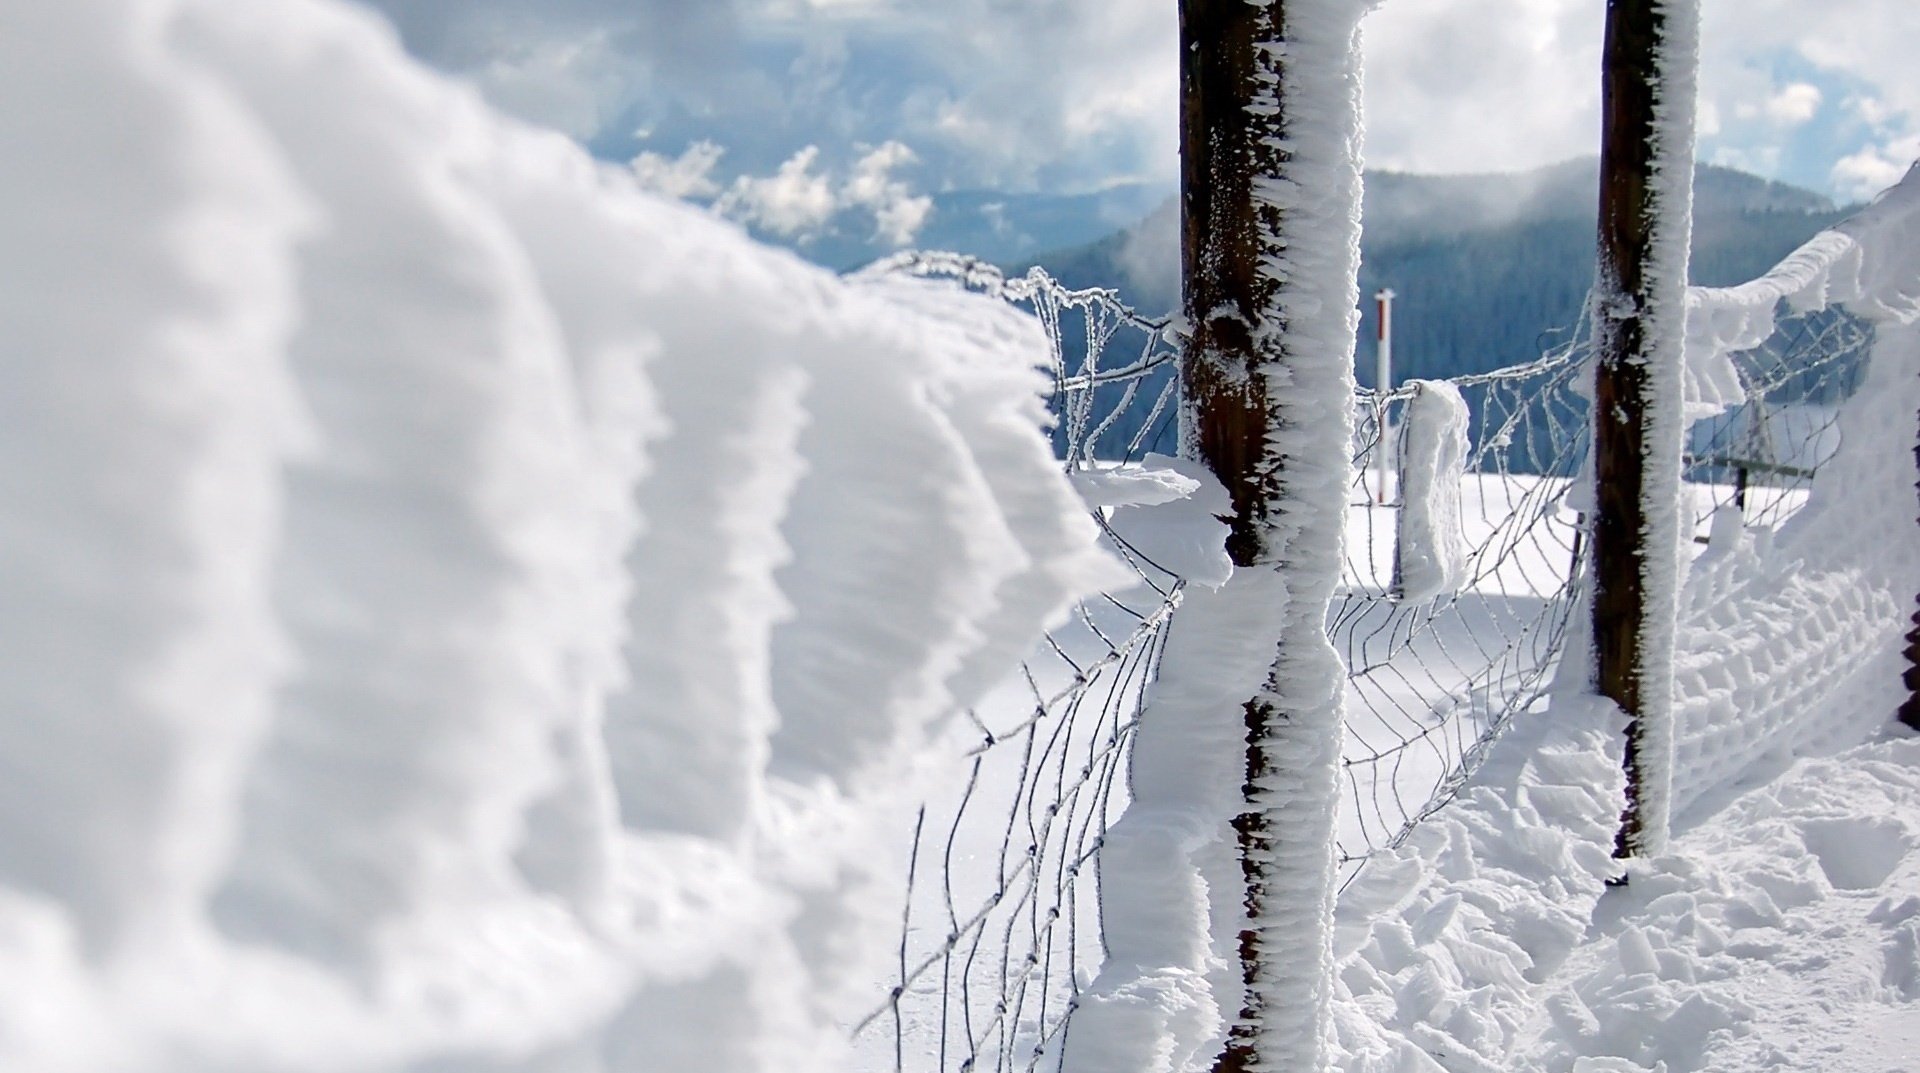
[1430, 682]
[1000, 916]
[1760, 457]
[1000, 913]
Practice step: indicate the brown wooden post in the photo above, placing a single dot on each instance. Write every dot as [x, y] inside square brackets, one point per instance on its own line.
[1269, 234]
[1223, 296]
[1646, 169]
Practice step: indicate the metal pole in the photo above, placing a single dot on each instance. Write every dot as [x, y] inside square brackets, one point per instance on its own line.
[1383, 381]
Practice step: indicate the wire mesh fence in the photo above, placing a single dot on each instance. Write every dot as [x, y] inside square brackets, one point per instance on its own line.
[1001, 912]
[1431, 680]
[1760, 456]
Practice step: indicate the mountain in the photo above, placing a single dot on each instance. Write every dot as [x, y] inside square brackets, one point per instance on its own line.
[1484, 267]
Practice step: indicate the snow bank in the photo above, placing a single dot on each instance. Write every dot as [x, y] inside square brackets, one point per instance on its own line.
[1782, 935]
[1790, 641]
[463, 612]
[1443, 940]
[1430, 553]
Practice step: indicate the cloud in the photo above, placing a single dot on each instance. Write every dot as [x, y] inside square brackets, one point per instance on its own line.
[1859, 176]
[793, 202]
[1794, 104]
[1072, 95]
[688, 176]
[1481, 85]
[1826, 89]
[799, 201]
[898, 214]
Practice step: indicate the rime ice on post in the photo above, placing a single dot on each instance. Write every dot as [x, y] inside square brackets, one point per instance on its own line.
[1270, 207]
[1639, 311]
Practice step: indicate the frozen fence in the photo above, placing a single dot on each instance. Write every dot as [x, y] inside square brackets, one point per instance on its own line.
[1459, 596]
[1435, 669]
[1760, 455]
[1001, 881]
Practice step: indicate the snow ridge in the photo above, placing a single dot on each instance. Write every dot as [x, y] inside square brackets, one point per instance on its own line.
[464, 613]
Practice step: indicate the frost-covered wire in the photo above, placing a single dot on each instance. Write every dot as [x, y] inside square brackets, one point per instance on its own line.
[1759, 457]
[1000, 915]
[1431, 681]
[1000, 911]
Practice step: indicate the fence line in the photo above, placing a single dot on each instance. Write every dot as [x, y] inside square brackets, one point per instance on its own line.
[990, 969]
[1000, 912]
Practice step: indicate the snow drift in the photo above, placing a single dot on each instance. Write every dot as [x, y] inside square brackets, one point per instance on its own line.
[461, 612]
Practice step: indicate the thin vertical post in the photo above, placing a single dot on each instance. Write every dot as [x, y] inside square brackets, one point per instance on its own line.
[1910, 708]
[1270, 194]
[1646, 173]
[1383, 380]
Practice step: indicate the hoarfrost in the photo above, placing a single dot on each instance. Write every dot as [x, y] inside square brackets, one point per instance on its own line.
[1430, 553]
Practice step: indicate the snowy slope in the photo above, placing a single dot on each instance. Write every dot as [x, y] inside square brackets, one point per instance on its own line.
[460, 612]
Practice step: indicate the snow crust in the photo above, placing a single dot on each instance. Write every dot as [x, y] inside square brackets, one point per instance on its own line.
[463, 613]
[1430, 551]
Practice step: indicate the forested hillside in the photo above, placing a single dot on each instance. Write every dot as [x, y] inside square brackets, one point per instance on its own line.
[1488, 269]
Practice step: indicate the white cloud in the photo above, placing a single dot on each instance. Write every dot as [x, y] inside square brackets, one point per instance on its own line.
[898, 214]
[1858, 52]
[1861, 175]
[688, 176]
[1076, 94]
[1481, 85]
[792, 202]
[801, 199]
[1794, 104]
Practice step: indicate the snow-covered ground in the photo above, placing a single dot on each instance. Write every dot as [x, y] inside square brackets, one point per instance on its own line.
[1782, 933]
[464, 614]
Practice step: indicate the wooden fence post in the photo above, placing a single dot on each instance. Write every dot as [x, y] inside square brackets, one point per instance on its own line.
[1646, 173]
[1270, 183]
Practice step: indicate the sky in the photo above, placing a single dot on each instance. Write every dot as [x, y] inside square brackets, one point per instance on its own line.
[784, 112]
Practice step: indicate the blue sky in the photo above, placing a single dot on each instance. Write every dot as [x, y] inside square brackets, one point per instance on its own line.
[794, 108]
